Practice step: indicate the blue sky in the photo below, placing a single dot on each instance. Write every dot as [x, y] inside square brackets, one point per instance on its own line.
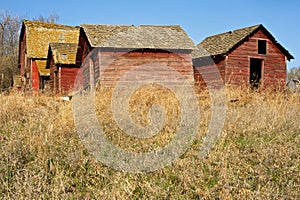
[199, 18]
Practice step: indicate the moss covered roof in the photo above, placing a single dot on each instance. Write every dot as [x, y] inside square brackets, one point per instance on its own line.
[64, 53]
[40, 34]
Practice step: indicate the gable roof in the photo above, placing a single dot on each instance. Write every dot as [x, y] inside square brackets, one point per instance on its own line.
[97, 34]
[143, 36]
[224, 43]
[64, 53]
[40, 34]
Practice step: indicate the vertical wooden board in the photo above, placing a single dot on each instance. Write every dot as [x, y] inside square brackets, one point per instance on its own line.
[35, 77]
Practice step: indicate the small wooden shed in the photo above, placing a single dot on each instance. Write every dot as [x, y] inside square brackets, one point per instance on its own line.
[63, 69]
[33, 49]
[16, 82]
[249, 56]
[123, 48]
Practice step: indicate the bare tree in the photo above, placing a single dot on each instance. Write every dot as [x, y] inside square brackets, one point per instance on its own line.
[9, 43]
[3, 24]
[294, 73]
[53, 18]
[9, 31]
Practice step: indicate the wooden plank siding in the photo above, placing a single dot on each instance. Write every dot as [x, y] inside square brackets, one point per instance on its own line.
[105, 60]
[67, 78]
[238, 63]
[232, 53]
[209, 73]
[62, 77]
[116, 64]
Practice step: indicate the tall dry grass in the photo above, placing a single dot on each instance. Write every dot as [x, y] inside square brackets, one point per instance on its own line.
[257, 155]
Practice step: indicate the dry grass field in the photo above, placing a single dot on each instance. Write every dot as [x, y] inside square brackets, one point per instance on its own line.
[256, 157]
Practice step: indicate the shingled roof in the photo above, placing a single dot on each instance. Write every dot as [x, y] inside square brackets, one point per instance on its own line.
[224, 43]
[64, 53]
[199, 52]
[143, 36]
[40, 34]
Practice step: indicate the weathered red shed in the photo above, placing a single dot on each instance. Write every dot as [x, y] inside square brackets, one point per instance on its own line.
[249, 56]
[63, 69]
[33, 48]
[124, 48]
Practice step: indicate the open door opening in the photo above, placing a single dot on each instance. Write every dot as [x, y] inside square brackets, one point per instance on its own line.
[255, 72]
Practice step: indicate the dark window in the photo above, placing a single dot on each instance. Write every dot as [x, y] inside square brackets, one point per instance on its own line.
[262, 47]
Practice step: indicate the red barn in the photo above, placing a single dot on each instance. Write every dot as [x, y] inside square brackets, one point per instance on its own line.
[33, 48]
[123, 48]
[63, 69]
[249, 56]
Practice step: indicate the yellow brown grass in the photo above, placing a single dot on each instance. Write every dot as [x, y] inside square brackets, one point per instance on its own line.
[257, 155]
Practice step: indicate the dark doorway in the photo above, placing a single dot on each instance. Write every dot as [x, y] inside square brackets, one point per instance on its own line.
[255, 72]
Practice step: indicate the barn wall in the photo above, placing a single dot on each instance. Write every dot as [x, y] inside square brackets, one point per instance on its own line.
[35, 77]
[119, 63]
[68, 77]
[209, 72]
[238, 63]
[64, 81]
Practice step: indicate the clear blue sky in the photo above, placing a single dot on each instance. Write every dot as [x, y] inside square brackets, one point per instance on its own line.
[199, 18]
